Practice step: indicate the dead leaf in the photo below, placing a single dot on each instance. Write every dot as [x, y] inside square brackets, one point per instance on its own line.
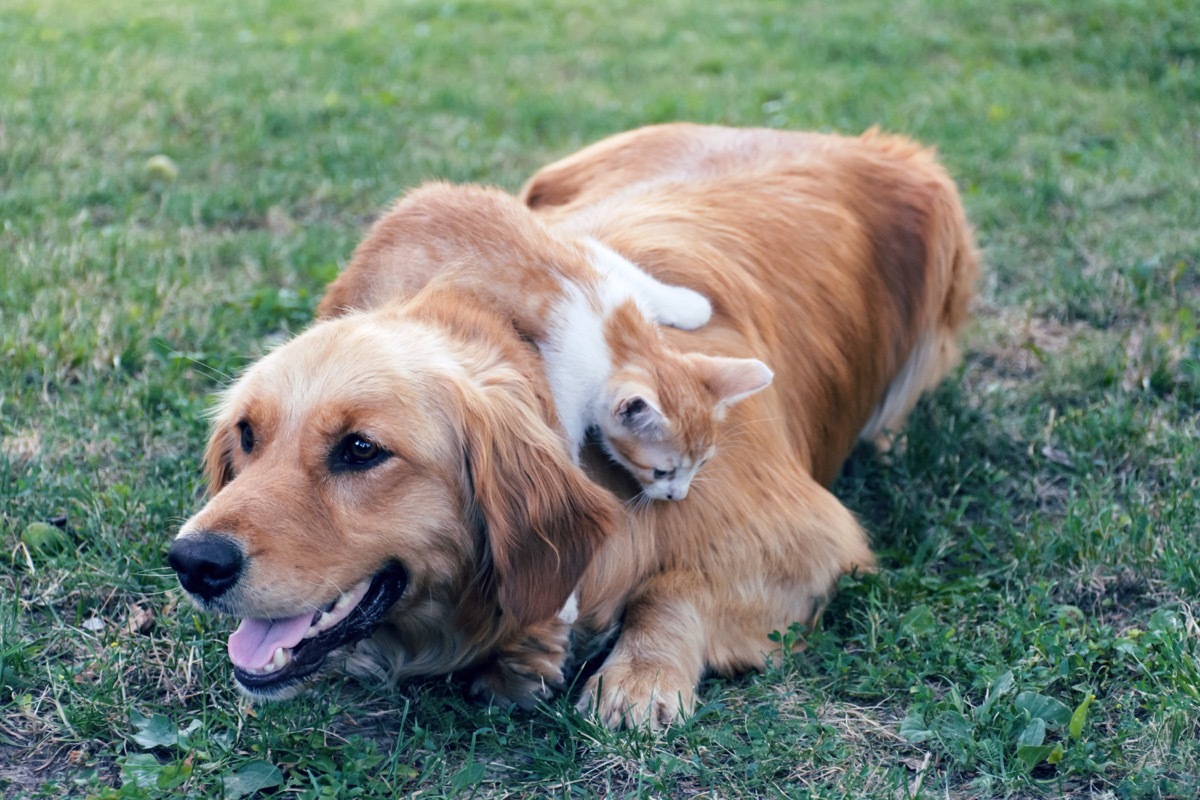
[141, 620]
[1057, 456]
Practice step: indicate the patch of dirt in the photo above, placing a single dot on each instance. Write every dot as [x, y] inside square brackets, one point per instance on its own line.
[1109, 596]
[23, 773]
[21, 448]
[1015, 349]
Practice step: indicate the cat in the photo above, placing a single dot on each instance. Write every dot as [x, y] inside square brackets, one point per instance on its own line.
[592, 314]
[656, 410]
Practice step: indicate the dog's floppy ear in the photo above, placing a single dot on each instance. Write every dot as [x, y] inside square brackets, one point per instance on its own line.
[556, 184]
[544, 518]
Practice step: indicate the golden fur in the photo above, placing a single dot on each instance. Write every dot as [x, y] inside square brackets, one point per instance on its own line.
[485, 242]
[843, 262]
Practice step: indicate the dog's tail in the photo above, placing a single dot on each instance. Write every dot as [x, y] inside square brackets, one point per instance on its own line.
[951, 270]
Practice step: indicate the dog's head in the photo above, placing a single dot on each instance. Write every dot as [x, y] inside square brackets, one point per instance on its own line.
[379, 469]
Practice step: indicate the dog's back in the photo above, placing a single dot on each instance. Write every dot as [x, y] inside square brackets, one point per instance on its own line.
[847, 262]
[844, 263]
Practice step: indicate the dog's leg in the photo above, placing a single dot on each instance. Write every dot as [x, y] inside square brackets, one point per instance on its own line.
[528, 667]
[651, 675]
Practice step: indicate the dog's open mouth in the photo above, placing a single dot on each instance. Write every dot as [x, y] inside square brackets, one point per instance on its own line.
[270, 654]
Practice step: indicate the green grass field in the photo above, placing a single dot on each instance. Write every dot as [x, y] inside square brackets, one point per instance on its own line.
[179, 180]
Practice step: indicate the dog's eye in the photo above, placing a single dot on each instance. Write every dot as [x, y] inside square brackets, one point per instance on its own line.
[361, 449]
[247, 436]
[357, 452]
[659, 474]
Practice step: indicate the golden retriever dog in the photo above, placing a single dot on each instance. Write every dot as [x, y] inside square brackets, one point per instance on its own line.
[390, 492]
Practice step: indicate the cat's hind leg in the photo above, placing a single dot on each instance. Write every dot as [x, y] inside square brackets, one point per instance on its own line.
[680, 307]
[673, 306]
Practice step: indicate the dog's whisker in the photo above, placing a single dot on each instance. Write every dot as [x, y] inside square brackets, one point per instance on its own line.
[323, 582]
[207, 370]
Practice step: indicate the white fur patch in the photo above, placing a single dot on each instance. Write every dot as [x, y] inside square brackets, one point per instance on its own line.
[675, 306]
[570, 610]
[577, 362]
[904, 389]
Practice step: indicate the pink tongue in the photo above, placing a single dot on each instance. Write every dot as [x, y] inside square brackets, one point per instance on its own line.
[255, 641]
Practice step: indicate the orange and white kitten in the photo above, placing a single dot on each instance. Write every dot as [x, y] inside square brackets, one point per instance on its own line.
[590, 311]
[657, 410]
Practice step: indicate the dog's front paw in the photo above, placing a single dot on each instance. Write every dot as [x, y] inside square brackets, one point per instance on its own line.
[623, 695]
[507, 685]
[528, 669]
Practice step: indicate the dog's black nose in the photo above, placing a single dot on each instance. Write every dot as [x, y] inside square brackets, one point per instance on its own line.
[207, 563]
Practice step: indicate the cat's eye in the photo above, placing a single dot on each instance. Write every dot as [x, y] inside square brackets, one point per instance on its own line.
[247, 436]
[659, 474]
[356, 452]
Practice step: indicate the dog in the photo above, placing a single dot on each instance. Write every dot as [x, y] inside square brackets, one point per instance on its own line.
[390, 491]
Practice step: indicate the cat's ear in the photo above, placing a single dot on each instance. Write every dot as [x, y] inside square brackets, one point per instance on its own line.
[636, 409]
[731, 380]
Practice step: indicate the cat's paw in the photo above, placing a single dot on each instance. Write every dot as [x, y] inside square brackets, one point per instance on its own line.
[687, 310]
[624, 695]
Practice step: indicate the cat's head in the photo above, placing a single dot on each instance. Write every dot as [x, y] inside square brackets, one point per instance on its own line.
[662, 417]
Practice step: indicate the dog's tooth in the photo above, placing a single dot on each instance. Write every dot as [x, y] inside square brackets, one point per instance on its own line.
[268, 669]
[313, 630]
[342, 602]
[327, 620]
[281, 658]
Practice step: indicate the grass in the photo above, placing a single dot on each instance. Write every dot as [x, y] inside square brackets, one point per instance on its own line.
[1034, 630]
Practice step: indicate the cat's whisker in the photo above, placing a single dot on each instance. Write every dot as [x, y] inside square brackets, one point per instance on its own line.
[748, 422]
[742, 430]
[735, 443]
[735, 436]
[638, 502]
